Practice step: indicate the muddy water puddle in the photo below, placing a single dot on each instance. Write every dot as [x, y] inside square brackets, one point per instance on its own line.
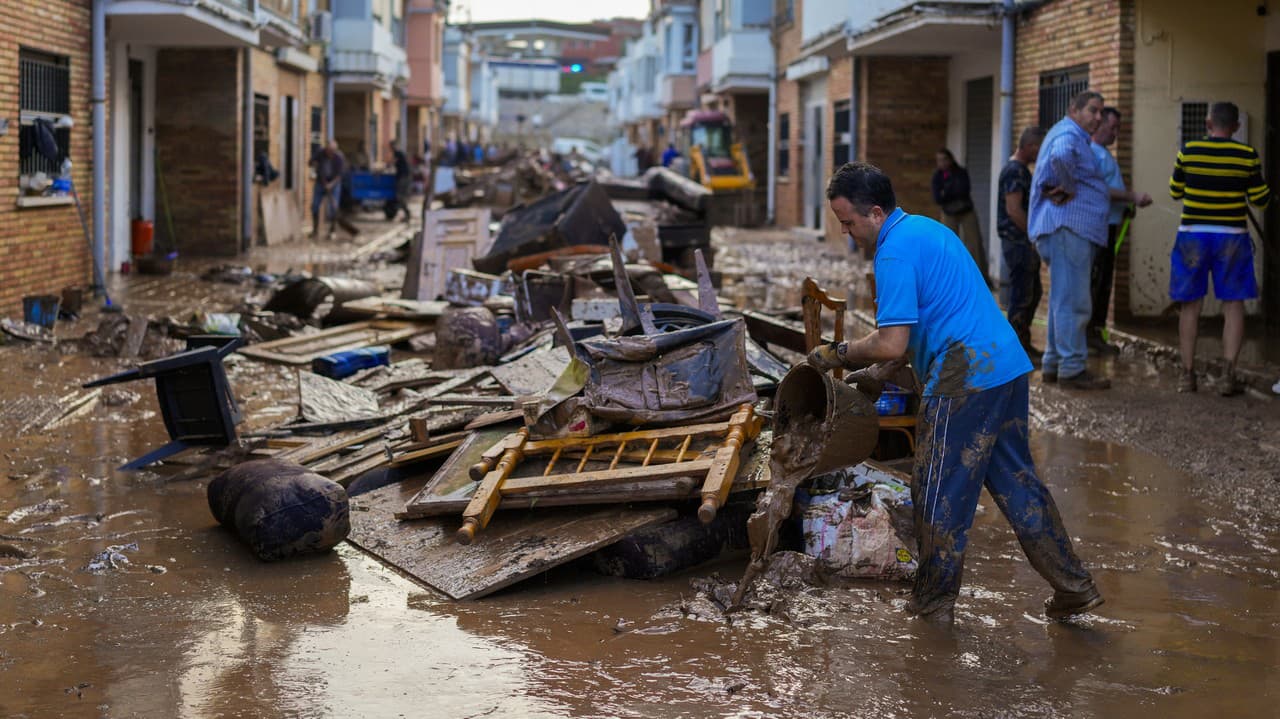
[122, 598]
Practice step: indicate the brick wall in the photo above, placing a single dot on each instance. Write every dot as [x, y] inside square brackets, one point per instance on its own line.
[44, 249]
[1067, 33]
[903, 120]
[789, 189]
[197, 126]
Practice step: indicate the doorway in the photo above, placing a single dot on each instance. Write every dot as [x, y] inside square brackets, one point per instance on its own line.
[137, 156]
[814, 167]
[978, 119]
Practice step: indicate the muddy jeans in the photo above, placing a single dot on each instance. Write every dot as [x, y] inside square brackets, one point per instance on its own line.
[1025, 288]
[966, 443]
[1070, 260]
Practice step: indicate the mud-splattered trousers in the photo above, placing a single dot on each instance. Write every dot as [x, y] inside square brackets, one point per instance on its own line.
[968, 442]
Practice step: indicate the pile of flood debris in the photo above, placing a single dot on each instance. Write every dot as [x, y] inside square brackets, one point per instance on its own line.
[565, 382]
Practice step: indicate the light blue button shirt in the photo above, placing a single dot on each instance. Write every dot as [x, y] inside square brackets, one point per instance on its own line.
[1066, 161]
[1110, 171]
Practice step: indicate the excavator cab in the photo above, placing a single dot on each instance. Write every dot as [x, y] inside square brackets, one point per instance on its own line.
[715, 160]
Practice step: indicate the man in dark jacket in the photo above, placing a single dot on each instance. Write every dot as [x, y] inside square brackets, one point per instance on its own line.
[951, 192]
[404, 183]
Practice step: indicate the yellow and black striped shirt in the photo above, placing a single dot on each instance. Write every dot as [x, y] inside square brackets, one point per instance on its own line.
[1213, 177]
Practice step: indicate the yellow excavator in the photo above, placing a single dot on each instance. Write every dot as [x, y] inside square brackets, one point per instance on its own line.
[715, 160]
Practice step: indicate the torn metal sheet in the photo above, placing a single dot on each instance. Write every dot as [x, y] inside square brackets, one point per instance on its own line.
[534, 373]
[321, 399]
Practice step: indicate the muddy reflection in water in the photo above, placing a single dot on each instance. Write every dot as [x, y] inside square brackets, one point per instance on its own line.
[179, 619]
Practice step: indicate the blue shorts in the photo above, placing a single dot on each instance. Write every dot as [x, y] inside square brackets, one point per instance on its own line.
[1228, 256]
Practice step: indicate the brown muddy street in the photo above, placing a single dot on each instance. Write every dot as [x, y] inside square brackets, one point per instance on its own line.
[120, 596]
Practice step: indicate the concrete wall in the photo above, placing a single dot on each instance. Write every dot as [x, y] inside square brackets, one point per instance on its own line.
[44, 248]
[1181, 54]
[198, 117]
[981, 62]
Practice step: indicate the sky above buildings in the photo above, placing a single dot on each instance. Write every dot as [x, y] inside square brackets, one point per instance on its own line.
[561, 10]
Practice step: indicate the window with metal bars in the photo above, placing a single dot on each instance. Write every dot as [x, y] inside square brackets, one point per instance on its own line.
[44, 92]
[1057, 87]
[1191, 124]
[317, 128]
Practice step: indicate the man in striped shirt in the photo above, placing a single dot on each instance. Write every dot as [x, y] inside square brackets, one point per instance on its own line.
[1215, 177]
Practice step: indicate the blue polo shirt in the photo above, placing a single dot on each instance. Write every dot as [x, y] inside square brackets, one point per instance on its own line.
[960, 340]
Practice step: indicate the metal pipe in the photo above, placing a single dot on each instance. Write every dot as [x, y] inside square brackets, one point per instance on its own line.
[99, 102]
[1006, 81]
[1006, 119]
[771, 144]
[246, 156]
[328, 91]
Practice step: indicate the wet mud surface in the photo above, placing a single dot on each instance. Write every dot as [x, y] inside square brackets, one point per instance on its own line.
[121, 596]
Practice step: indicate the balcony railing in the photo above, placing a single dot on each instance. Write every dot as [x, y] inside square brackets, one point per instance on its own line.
[283, 8]
[742, 58]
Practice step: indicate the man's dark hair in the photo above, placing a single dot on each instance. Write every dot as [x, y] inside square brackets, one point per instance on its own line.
[1031, 136]
[1079, 101]
[1109, 111]
[1224, 115]
[864, 185]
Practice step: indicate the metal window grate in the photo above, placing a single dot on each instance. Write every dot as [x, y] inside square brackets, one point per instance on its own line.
[1056, 90]
[1191, 122]
[44, 91]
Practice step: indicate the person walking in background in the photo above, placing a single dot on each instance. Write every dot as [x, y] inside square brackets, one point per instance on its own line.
[670, 154]
[1214, 177]
[1025, 288]
[1068, 223]
[952, 193]
[404, 182]
[1104, 262]
[329, 164]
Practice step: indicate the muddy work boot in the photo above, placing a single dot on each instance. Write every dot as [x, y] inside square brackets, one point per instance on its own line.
[1187, 382]
[1085, 380]
[1230, 385]
[1068, 604]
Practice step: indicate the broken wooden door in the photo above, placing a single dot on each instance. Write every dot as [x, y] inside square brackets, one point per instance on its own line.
[450, 239]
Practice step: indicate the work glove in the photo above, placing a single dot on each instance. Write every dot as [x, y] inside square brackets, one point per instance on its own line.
[828, 356]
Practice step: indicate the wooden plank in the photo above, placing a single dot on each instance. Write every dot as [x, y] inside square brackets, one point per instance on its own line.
[522, 545]
[666, 490]
[438, 450]
[304, 348]
[396, 308]
[491, 418]
[134, 336]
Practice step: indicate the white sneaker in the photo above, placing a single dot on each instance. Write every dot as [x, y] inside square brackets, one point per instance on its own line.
[1276, 387]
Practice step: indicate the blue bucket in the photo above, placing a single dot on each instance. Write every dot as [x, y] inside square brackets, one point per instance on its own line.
[41, 310]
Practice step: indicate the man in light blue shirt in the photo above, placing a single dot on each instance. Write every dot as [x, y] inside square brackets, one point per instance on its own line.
[932, 301]
[1068, 223]
[1105, 260]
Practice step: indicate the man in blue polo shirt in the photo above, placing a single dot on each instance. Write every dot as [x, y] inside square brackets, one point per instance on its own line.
[932, 301]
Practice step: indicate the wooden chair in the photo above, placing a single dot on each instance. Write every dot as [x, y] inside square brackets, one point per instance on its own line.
[814, 298]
